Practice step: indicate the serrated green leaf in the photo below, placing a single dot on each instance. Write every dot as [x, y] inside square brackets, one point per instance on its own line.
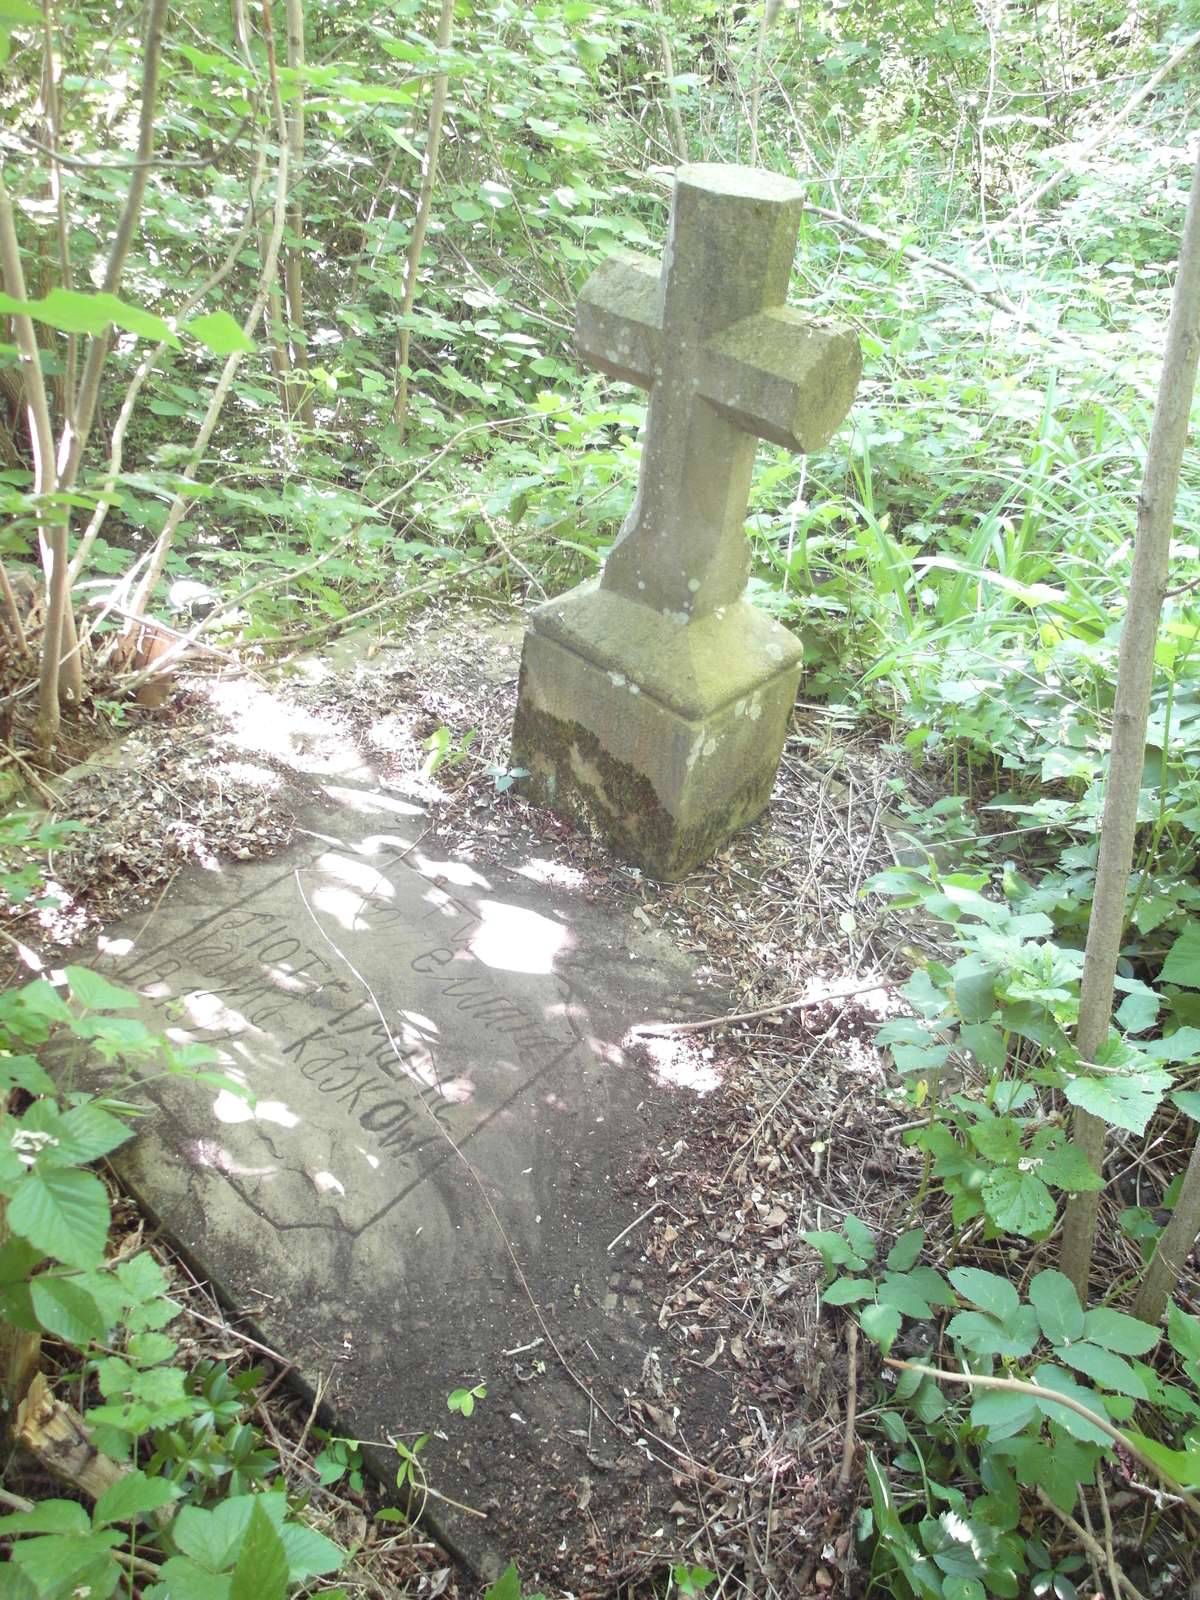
[1055, 1379]
[833, 1249]
[986, 1336]
[985, 1041]
[898, 1289]
[89, 1133]
[185, 1579]
[64, 1212]
[1182, 965]
[862, 1240]
[1184, 1333]
[1019, 1202]
[1001, 1412]
[141, 1277]
[963, 1589]
[1065, 1166]
[933, 1286]
[848, 1291]
[24, 1072]
[261, 1569]
[1059, 1470]
[468, 210]
[55, 1559]
[132, 1496]
[1110, 1371]
[1125, 1099]
[506, 1587]
[1182, 1045]
[1182, 1465]
[44, 1000]
[985, 1290]
[974, 988]
[94, 991]
[219, 332]
[1139, 1009]
[14, 1585]
[48, 1516]
[18, 1258]
[996, 1138]
[149, 1349]
[880, 1324]
[66, 1310]
[1052, 1295]
[1187, 1101]
[71, 311]
[309, 1553]
[905, 1251]
[1116, 1330]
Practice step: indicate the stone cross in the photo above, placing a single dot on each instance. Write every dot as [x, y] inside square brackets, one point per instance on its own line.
[726, 364]
[654, 703]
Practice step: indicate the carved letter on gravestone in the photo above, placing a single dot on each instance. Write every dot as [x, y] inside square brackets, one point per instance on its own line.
[654, 702]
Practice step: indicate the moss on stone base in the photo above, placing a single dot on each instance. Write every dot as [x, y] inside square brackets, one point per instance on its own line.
[629, 818]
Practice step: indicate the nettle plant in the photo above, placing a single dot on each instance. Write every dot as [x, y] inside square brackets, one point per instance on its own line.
[194, 1507]
[1031, 1393]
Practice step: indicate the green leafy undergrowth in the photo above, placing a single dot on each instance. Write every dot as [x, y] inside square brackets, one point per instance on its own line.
[1002, 1396]
[987, 1056]
[199, 1512]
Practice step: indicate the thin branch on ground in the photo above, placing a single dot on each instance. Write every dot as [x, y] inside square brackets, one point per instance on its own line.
[808, 1002]
[1092, 1546]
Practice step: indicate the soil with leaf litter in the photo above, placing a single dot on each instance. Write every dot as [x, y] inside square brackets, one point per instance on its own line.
[794, 1130]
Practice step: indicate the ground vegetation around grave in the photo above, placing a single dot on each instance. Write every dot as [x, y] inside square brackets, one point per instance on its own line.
[289, 293]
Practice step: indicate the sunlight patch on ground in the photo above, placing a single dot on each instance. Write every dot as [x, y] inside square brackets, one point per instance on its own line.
[208, 1153]
[458, 872]
[678, 1064]
[357, 800]
[552, 873]
[513, 939]
[230, 1107]
[262, 724]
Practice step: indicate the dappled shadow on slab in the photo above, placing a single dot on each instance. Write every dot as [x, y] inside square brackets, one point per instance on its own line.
[420, 1169]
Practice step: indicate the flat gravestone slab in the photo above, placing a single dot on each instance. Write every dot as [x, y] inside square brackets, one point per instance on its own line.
[440, 1096]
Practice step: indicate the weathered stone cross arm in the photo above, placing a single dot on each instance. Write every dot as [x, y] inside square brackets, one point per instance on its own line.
[777, 374]
[783, 377]
[618, 321]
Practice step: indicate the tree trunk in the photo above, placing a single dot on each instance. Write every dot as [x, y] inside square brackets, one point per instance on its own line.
[52, 528]
[1135, 674]
[293, 278]
[421, 222]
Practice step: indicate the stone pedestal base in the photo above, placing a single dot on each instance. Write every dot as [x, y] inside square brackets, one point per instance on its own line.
[660, 735]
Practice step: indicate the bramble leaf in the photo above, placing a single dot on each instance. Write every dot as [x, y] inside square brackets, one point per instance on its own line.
[985, 1290]
[64, 1212]
[1052, 1295]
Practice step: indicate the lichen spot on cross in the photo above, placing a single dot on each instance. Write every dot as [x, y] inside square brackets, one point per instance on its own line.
[654, 702]
[727, 363]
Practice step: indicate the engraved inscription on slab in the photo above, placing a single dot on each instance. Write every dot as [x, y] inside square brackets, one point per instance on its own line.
[459, 1008]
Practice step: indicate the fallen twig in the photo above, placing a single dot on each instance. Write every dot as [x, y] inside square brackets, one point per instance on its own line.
[1092, 1545]
[808, 1002]
[649, 1212]
[844, 1470]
